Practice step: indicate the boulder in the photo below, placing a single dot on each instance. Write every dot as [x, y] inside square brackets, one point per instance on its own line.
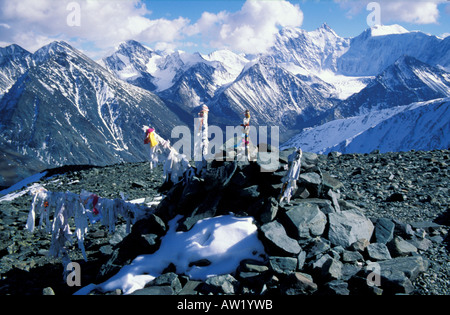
[192, 287]
[283, 265]
[329, 182]
[396, 275]
[384, 230]
[269, 210]
[378, 251]
[352, 256]
[331, 269]
[298, 283]
[335, 287]
[276, 241]
[312, 182]
[154, 290]
[305, 220]
[168, 279]
[223, 284]
[399, 247]
[347, 227]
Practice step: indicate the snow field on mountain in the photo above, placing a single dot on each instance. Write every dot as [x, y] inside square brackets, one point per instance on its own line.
[420, 126]
[224, 241]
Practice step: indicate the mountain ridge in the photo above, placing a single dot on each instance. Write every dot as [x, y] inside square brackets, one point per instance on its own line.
[302, 82]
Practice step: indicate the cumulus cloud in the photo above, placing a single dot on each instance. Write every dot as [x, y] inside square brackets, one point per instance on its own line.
[103, 24]
[250, 30]
[409, 11]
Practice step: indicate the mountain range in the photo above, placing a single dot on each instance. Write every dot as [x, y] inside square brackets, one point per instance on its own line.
[58, 106]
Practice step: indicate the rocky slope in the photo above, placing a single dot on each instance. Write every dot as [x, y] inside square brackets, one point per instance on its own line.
[399, 202]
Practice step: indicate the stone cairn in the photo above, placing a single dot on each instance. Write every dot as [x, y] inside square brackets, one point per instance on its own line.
[315, 244]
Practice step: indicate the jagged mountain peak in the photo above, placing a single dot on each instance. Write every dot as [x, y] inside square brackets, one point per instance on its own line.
[55, 48]
[13, 49]
[326, 29]
[132, 46]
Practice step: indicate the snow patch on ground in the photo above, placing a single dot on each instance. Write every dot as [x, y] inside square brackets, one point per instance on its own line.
[225, 241]
[15, 191]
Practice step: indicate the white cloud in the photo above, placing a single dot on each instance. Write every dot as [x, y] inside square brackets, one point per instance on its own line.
[409, 11]
[250, 30]
[105, 23]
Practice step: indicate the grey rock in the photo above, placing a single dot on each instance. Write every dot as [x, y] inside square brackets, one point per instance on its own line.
[352, 256]
[319, 261]
[336, 287]
[251, 265]
[331, 269]
[276, 240]
[269, 210]
[403, 229]
[421, 243]
[192, 287]
[301, 193]
[325, 205]
[152, 224]
[331, 182]
[118, 235]
[384, 230]
[223, 284]
[151, 239]
[168, 279]
[305, 220]
[312, 182]
[335, 199]
[106, 249]
[155, 290]
[378, 251]
[283, 265]
[396, 275]
[347, 227]
[200, 263]
[317, 246]
[428, 226]
[399, 247]
[298, 283]
[301, 259]
[48, 291]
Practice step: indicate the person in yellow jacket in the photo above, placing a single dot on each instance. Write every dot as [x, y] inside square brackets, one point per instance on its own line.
[150, 139]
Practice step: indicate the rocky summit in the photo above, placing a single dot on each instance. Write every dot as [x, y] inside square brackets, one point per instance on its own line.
[358, 224]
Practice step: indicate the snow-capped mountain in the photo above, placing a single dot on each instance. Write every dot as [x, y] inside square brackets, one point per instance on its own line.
[57, 106]
[69, 110]
[407, 81]
[129, 63]
[380, 46]
[418, 126]
[14, 61]
[314, 51]
[274, 96]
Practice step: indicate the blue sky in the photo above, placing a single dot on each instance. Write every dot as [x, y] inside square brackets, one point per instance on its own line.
[244, 26]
